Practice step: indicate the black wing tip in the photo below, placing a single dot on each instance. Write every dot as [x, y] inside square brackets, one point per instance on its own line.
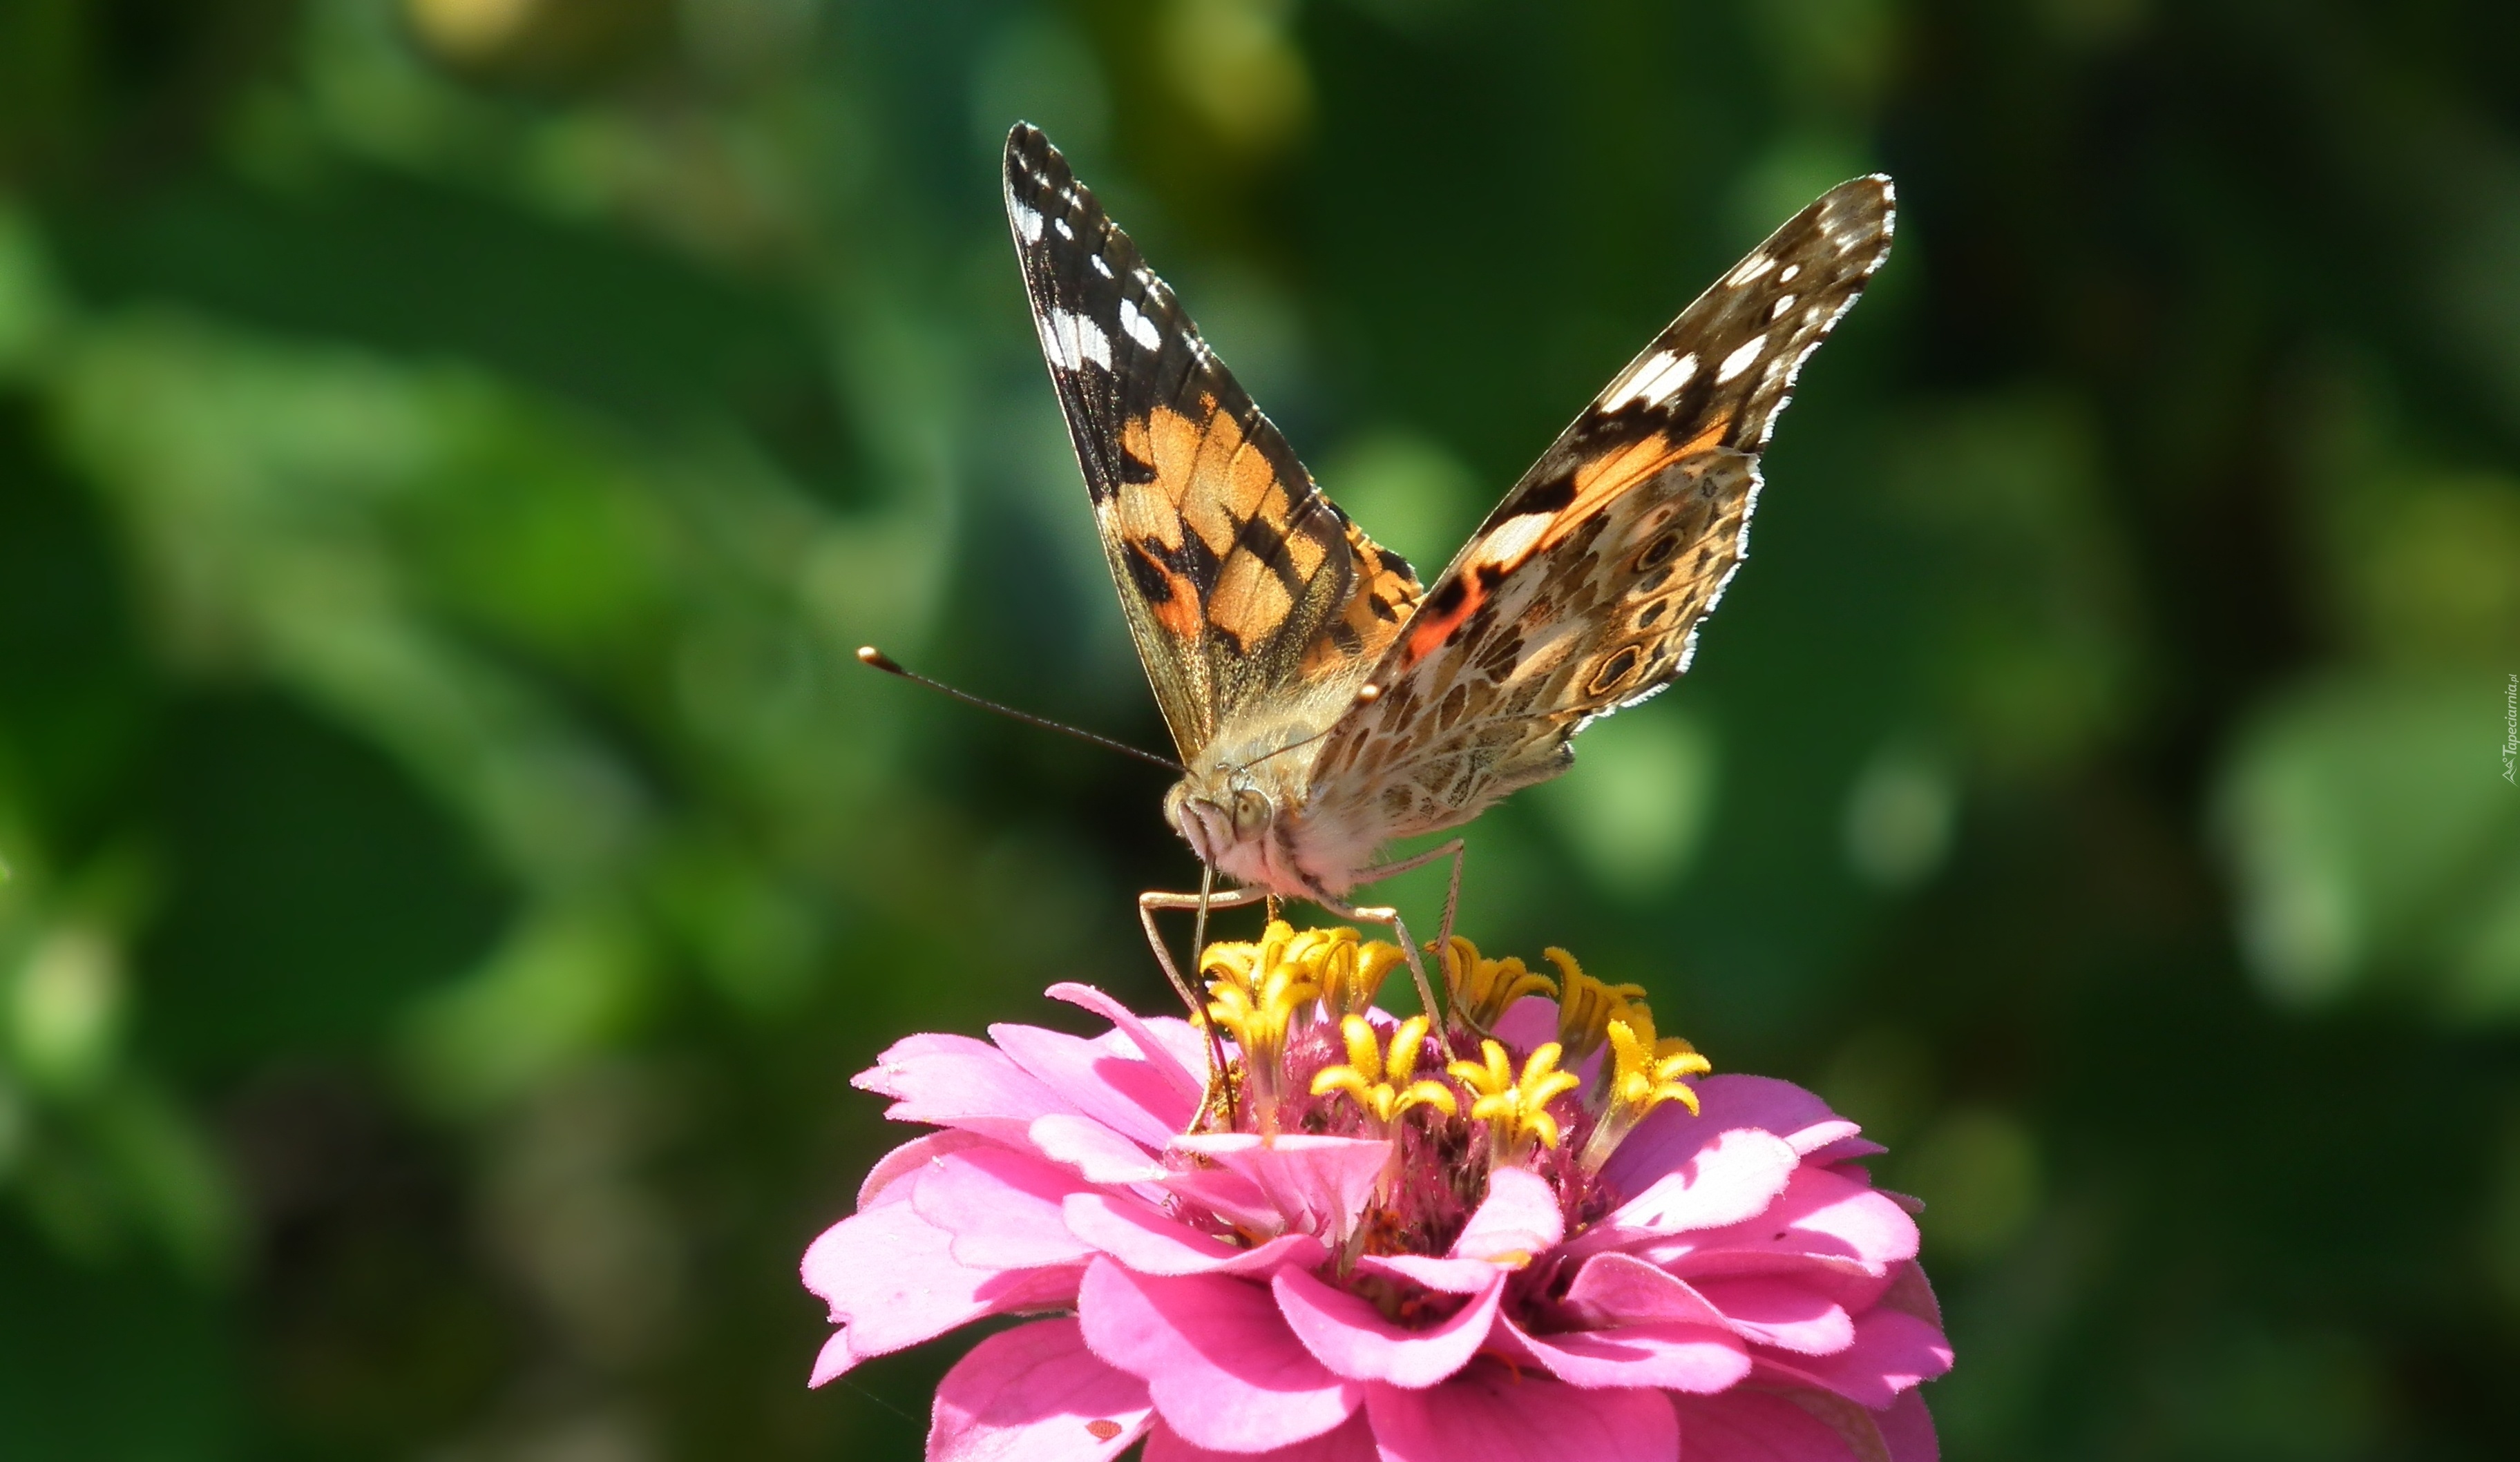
[1879, 195]
[1034, 168]
[1858, 208]
[1874, 193]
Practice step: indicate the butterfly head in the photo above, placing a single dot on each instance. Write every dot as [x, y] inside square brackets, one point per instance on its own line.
[1224, 816]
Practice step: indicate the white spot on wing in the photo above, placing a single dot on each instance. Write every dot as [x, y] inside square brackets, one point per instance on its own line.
[1064, 231]
[1070, 340]
[1511, 539]
[1138, 327]
[1787, 277]
[1778, 310]
[1101, 266]
[1624, 389]
[1741, 359]
[1652, 382]
[1749, 269]
[1028, 223]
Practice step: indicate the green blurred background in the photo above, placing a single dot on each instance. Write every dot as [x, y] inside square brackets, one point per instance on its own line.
[449, 449]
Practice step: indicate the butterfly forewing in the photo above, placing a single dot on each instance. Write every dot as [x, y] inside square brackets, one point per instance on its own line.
[1583, 591]
[1245, 586]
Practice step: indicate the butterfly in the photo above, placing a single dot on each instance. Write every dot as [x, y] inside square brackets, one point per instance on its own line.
[1324, 703]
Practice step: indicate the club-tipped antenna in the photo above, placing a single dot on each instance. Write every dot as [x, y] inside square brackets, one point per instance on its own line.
[869, 655]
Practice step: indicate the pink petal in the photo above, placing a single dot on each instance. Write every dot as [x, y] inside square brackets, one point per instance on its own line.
[1002, 1208]
[1779, 1313]
[890, 1277]
[884, 1180]
[1128, 1096]
[1450, 1277]
[1763, 1425]
[1034, 1393]
[1619, 1289]
[1353, 1339]
[1847, 1149]
[1696, 1358]
[1228, 1195]
[1223, 1367]
[1317, 1184]
[1352, 1440]
[1186, 1042]
[1819, 1213]
[1490, 1414]
[1669, 1137]
[1908, 1428]
[1844, 1282]
[1518, 1220]
[1731, 1179]
[1910, 1294]
[954, 1081]
[1099, 1154]
[1892, 1353]
[834, 1359]
[1529, 1024]
[1159, 1057]
[1150, 1243]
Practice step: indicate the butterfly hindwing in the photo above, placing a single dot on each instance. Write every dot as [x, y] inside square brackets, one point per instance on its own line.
[1583, 591]
[1243, 583]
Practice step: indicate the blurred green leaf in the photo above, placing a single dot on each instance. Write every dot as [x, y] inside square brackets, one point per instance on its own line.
[2373, 840]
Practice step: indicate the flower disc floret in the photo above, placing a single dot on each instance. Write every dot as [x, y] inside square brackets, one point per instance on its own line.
[1586, 1006]
[1349, 969]
[1515, 1108]
[1260, 993]
[1380, 1085]
[1640, 1078]
[1481, 990]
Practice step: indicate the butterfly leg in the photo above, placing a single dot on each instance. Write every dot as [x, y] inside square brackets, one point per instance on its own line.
[1206, 899]
[1451, 903]
[1390, 917]
[1151, 902]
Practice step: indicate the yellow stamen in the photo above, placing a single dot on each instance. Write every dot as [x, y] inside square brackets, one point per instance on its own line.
[1586, 1006]
[1379, 1084]
[1481, 990]
[1645, 1074]
[1349, 968]
[1258, 993]
[1516, 1110]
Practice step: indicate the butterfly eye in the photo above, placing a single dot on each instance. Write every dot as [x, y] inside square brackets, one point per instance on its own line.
[1251, 812]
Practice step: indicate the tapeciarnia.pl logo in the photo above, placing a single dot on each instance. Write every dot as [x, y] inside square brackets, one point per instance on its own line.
[2511, 729]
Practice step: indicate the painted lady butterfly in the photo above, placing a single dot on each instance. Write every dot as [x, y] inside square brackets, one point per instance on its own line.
[1323, 704]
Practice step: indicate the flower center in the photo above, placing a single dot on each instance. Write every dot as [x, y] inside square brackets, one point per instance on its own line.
[1312, 1055]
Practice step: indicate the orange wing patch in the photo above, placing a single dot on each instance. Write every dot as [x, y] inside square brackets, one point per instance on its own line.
[1251, 601]
[1385, 592]
[1511, 544]
[1150, 517]
[1599, 481]
[1209, 481]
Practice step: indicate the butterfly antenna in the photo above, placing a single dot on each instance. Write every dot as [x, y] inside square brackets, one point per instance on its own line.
[869, 655]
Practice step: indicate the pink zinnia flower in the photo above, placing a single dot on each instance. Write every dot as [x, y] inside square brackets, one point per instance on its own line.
[1568, 1244]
